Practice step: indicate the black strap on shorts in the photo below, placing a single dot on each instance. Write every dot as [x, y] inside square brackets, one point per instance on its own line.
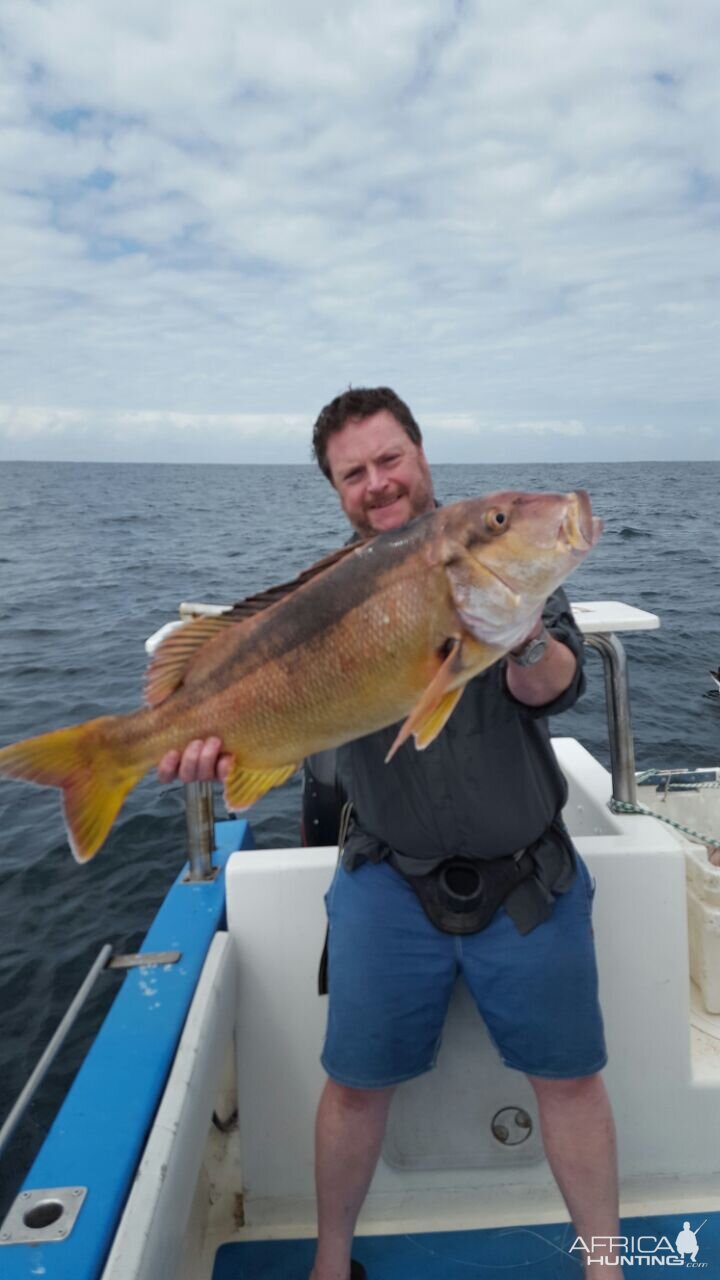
[345, 816]
[323, 967]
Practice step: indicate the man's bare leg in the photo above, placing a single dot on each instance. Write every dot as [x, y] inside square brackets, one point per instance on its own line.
[348, 1135]
[579, 1138]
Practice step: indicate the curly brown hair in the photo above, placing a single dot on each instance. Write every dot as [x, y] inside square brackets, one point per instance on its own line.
[358, 403]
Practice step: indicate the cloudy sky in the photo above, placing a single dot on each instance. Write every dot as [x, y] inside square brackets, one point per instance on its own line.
[216, 216]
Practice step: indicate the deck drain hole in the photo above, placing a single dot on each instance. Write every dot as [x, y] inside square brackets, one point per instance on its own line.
[43, 1214]
[511, 1126]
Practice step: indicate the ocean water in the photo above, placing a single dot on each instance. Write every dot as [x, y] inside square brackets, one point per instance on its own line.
[94, 558]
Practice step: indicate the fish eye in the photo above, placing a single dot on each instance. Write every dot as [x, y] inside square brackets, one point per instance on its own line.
[495, 520]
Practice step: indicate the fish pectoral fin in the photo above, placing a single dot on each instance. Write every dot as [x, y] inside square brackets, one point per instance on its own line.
[170, 662]
[467, 657]
[436, 704]
[243, 786]
[430, 726]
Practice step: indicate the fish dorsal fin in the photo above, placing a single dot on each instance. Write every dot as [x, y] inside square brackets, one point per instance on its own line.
[265, 599]
[171, 661]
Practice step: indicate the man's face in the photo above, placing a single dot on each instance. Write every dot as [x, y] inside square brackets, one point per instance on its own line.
[382, 477]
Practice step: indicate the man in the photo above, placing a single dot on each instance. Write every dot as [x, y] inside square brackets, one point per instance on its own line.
[531, 970]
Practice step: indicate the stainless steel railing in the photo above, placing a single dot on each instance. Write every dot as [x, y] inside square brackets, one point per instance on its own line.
[200, 820]
[617, 704]
[53, 1048]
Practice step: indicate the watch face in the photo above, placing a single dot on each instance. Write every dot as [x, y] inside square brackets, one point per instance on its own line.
[536, 650]
[532, 652]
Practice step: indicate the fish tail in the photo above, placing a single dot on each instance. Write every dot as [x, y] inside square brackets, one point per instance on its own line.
[82, 763]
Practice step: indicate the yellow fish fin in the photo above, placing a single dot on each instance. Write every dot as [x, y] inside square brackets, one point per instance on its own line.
[429, 728]
[465, 659]
[93, 782]
[429, 715]
[244, 786]
[171, 659]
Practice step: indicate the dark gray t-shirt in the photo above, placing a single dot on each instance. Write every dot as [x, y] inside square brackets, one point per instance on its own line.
[488, 785]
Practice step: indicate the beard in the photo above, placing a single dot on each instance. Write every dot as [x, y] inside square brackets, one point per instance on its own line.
[417, 503]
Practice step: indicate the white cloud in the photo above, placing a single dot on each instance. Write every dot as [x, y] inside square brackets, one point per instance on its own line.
[468, 422]
[508, 213]
[21, 422]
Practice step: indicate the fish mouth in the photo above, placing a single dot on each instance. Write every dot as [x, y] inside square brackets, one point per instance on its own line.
[579, 528]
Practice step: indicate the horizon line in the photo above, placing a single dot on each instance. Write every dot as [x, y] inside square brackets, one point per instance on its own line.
[535, 462]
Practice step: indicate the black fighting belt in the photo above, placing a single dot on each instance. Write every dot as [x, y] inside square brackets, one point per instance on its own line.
[461, 895]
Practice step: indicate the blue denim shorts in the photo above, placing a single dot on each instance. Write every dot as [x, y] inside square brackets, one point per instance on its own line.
[391, 974]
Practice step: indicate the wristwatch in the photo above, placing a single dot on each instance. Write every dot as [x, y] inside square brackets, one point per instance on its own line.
[532, 651]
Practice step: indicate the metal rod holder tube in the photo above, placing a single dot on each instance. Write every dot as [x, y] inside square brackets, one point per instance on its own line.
[200, 828]
[617, 700]
[54, 1045]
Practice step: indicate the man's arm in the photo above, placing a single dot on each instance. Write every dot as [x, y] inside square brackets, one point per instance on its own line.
[555, 682]
[546, 679]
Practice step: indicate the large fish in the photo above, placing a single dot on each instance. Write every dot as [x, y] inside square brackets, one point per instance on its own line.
[388, 629]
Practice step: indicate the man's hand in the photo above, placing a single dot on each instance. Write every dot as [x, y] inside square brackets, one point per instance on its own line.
[201, 761]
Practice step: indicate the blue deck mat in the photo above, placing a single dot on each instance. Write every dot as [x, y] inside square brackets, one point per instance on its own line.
[503, 1253]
